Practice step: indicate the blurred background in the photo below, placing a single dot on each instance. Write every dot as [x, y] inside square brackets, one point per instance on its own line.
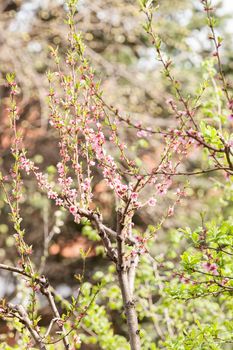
[131, 80]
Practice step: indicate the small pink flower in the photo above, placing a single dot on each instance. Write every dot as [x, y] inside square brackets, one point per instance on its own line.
[59, 201]
[134, 195]
[25, 164]
[210, 267]
[170, 211]
[60, 169]
[73, 209]
[52, 194]
[152, 202]
[142, 133]
[225, 281]
[184, 279]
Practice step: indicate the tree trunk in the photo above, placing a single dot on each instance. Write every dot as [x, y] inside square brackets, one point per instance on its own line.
[130, 311]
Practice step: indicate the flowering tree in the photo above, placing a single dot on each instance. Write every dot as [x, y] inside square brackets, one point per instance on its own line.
[90, 142]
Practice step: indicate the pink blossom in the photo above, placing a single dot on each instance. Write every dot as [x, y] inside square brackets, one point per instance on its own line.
[152, 202]
[138, 125]
[134, 195]
[71, 193]
[170, 211]
[52, 194]
[59, 202]
[25, 164]
[184, 279]
[210, 267]
[60, 168]
[142, 133]
[225, 281]
[86, 185]
[73, 209]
